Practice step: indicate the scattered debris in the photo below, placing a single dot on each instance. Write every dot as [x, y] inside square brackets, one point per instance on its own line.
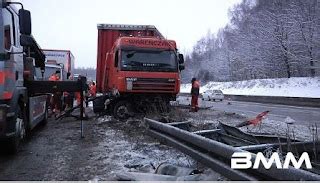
[289, 120]
[256, 121]
[168, 172]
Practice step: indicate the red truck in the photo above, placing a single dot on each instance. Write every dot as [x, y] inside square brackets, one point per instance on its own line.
[136, 67]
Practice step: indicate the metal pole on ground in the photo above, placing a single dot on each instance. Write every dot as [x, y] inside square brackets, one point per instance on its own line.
[81, 112]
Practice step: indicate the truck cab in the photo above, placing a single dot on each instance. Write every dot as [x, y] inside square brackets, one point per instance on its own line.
[138, 66]
[19, 56]
[143, 65]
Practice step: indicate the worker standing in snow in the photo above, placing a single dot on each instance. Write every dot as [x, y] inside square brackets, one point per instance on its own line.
[195, 91]
[56, 98]
[93, 89]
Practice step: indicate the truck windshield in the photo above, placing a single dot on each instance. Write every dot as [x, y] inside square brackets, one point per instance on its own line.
[48, 72]
[153, 61]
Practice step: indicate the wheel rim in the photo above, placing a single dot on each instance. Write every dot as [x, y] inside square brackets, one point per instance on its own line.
[122, 111]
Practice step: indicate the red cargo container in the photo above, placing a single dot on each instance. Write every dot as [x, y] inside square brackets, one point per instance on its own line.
[107, 36]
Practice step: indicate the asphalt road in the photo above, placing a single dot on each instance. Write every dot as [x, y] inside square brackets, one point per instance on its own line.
[298, 115]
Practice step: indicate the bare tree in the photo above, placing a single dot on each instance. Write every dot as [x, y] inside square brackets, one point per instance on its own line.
[265, 39]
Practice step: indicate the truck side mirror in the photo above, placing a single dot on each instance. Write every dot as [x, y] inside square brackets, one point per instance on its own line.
[25, 22]
[181, 59]
[181, 67]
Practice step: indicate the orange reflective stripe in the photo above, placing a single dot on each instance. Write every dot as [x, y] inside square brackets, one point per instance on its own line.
[7, 95]
[2, 78]
[9, 74]
[6, 75]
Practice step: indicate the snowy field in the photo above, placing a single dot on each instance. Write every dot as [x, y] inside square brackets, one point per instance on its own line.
[285, 87]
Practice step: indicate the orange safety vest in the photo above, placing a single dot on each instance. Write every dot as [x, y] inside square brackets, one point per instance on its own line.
[93, 90]
[78, 97]
[53, 78]
[196, 84]
[195, 88]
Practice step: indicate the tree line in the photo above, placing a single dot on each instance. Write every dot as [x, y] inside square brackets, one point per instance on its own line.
[264, 39]
[89, 72]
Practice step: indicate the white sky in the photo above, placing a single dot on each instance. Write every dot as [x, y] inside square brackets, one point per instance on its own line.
[72, 24]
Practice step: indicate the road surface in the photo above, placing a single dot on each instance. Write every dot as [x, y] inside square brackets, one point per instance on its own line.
[298, 115]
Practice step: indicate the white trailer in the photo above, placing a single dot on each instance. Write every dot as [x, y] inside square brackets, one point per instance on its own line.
[64, 57]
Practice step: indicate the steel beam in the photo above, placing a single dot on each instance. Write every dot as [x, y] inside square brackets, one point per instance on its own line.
[205, 159]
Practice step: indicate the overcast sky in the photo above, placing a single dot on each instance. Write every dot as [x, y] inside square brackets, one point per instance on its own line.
[72, 24]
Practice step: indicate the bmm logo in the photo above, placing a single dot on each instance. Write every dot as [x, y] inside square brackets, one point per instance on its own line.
[242, 160]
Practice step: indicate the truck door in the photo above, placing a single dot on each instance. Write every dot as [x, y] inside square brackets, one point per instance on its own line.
[113, 72]
[11, 69]
[17, 49]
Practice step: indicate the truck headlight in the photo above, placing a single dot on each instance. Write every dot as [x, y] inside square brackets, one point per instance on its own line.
[131, 79]
[129, 82]
[129, 85]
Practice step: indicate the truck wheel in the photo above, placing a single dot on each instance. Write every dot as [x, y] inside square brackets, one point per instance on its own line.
[122, 110]
[20, 133]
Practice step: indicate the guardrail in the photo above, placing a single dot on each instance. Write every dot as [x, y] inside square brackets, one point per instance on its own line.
[295, 101]
[217, 155]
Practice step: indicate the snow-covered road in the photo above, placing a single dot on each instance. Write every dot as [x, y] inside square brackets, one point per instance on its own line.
[298, 115]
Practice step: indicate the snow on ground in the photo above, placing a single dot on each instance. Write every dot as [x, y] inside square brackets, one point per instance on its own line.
[286, 87]
[128, 149]
[209, 119]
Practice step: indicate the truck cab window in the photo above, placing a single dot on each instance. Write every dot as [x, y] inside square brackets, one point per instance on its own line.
[7, 37]
[8, 34]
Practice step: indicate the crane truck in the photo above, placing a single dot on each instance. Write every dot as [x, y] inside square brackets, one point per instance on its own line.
[20, 54]
[23, 99]
[136, 68]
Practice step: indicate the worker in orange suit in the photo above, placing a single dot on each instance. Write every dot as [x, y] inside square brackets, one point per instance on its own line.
[93, 89]
[195, 91]
[78, 99]
[54, 76]
[56, 99]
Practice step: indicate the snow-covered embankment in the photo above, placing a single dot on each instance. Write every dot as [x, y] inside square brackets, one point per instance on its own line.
[283, 87]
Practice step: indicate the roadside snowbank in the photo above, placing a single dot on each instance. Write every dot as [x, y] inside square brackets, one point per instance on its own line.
[285, 87]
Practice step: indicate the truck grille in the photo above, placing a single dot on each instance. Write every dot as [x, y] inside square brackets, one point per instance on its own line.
[154, 85]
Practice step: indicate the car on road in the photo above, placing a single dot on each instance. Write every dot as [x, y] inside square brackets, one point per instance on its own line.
[213, 95]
